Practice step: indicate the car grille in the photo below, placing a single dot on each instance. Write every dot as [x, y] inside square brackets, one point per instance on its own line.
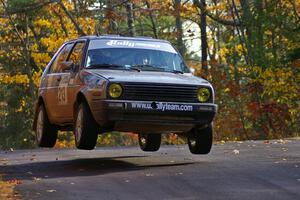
[160, 92]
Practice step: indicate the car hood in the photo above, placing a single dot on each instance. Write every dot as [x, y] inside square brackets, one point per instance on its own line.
[149, 77]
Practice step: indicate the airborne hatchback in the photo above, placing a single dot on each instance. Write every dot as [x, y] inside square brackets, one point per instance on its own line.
[98, 84]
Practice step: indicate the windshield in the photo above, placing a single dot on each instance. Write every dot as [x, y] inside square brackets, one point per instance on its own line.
[141, 58]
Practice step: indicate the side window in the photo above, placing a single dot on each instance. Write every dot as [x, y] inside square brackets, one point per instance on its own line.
[76, 54]
[62, 56]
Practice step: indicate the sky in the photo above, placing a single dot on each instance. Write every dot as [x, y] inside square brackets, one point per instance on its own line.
[193, 42]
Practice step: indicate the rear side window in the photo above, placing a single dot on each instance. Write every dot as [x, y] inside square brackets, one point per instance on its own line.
[62, 56]
[77, 52]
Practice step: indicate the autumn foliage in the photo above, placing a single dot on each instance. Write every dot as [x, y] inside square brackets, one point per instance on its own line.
[253, 57]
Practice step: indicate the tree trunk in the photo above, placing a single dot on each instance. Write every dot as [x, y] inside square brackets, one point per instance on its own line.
[78, 28]
[141, 27]
[130, 20]
[204, 45]
[154, 29]
[201, 4]
[180, 44]
[113, 27]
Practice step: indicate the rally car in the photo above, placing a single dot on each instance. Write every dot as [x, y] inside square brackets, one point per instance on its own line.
[98, 84]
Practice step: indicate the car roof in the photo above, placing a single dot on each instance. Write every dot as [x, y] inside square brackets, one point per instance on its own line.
[118, 37]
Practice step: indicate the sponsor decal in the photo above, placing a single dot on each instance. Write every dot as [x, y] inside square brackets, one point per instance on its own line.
[127, 43]
[72, 81]
[162, 106]
[62, 93]
[120, 43]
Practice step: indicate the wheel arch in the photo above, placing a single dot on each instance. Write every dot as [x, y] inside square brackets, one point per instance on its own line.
[39, 102]
[80, 98]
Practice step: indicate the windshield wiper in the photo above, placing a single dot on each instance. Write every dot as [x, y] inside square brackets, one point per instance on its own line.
[141, 65]
[134, 68]
[103, 65]
[106, 65]
[147, 67]
[177, 72]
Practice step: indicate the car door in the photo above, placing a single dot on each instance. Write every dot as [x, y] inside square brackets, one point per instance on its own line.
[68, 87]
[53, 80]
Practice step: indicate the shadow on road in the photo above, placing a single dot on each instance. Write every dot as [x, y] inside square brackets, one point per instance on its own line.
[80, 167]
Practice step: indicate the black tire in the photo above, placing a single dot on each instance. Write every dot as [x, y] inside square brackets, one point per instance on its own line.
[200, 140]
[149, 142]
[85, 128]
[46, 133]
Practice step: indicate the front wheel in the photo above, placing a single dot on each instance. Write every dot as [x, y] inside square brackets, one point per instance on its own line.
[149, 142]
[85, 129]
[46, 133]
[200, 140]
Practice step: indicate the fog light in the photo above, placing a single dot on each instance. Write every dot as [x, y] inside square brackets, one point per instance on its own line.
[115, 90]
[203, 94]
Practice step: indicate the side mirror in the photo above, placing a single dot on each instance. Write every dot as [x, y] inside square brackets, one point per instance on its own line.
[67, 65]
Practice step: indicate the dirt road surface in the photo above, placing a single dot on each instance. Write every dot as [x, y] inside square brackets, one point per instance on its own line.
[234, 170]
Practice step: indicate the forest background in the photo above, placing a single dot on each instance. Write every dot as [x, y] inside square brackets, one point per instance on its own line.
[248, 49]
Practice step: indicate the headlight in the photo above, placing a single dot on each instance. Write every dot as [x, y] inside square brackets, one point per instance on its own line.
[115, 90]
[203, 94]
[93, 82]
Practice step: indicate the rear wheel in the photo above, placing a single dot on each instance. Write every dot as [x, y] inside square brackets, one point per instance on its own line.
[85, 128]
[200, 140]
[149, 142]
[46, 133]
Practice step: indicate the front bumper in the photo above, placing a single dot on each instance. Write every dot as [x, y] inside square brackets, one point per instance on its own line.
[152, 117]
